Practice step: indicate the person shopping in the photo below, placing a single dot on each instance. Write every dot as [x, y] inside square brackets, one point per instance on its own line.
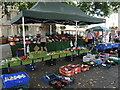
[90, 36]
[43, 41]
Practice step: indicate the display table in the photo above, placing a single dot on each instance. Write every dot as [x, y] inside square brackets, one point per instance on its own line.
[37, 57]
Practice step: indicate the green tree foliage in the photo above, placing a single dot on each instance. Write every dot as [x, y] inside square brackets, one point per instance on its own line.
[16, 6]
[90, 8]
[97, 8]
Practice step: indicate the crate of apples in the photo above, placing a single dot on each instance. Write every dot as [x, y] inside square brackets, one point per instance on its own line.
[24, 58]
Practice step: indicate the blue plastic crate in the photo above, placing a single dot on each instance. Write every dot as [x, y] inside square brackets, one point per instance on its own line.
[50, 77]
[15, 82]
[119, 44]
[115, 45]
[103, 47]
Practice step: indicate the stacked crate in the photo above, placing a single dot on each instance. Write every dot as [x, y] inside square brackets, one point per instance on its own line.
[70, 69]
[88, 57]
[104, 57]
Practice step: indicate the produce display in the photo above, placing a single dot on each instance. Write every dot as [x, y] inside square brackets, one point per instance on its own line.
[37, 56]
[34, 39]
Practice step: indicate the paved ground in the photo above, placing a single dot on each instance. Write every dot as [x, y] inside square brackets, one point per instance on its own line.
[94, 78]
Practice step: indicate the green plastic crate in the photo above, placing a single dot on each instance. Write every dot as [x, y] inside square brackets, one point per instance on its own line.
[15, 63]
[24, 62]
[115, 59]
[47, 58]
[38, 60]
[62, 54]
[4, 66]
[69, 54]
[55, 56]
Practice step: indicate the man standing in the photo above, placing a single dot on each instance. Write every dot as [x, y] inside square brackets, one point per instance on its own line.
[90, 36]
[43, 40]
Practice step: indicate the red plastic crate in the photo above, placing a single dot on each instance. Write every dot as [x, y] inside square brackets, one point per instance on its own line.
[71, 69]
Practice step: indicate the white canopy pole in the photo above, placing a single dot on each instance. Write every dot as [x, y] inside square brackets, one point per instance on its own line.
[12, 30]
[23, 26]
[50, 29]
[76, 34]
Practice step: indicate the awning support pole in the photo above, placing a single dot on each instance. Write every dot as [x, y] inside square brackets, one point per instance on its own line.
[12, 30]
[76, 33]
[23, 27]
[50, 29]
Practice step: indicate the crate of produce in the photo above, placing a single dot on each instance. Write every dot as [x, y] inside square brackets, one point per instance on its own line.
[70, 69]
[56, 83]
[66, 80]
[88, 57]
[69, 54]
[47, 58]
[30, 67]
[98, 61]
[16, 79]
[14, 61]
[48, 78]
[66, 71]
[85, 67]
[84, 51]
[37, 54]
[26, 60]
[4, 63]
[92, 64]
[115, 59]
[62, 55]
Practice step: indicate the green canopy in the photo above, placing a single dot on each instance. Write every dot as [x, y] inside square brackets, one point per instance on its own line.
[100, 28]
[55, 12]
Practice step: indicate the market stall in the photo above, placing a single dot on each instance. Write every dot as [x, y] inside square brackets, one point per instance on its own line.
[54, 15]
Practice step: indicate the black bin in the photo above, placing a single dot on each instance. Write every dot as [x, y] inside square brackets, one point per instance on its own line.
[51, 62]
[70, 58]
[119, 53]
